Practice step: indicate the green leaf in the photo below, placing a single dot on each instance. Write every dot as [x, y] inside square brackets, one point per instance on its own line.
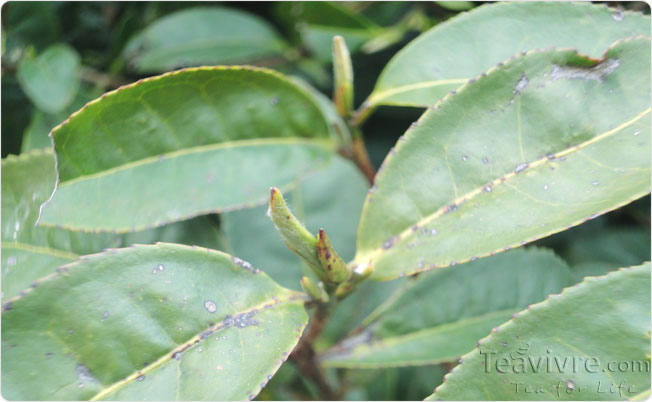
[541, 143]
[451, 53]
[330, 199]
[440, 315]
[164, 322]
[202, 36]
[594, 327]
[30, 253]
[318, 22]
[182, 144]
[51, 80]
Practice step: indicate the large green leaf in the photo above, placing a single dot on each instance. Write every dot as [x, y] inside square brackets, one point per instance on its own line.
[451, 53]
[51, 79]
[186, 143]
[440, 315]
[541, 143]
[29, 252]
[591, 342]
[202, 36]
[330, 199]
[163, 322]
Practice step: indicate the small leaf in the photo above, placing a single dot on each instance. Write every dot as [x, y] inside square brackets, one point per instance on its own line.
[343, 73]
[294, 234]
[203, 36]
[439, 316]
[165, 322]
[51, 79]
[331, 262]
[543, 142]
[600, 328]
[183, 144]
[459, 49]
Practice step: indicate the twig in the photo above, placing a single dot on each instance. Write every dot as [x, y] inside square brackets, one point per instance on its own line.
[304, 355]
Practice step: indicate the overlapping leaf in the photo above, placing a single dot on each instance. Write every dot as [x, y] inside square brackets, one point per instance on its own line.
[440, 316]
[451, 53]
[203, 36]
[543, 142]
[183, 144]
[591, 342]
[30, 253]
[164, 322]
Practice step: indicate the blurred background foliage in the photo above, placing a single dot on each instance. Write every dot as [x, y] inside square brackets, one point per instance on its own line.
[57, 56]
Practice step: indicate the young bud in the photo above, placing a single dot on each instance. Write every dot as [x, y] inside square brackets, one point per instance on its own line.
[343, 73]
[359, 274]
[335, 267]
[315, 291]
[294, 234]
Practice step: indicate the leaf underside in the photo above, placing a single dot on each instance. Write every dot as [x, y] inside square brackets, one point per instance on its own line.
[541, 143]
[605, 318]
[451, 53]
[163, 322]
[182, 144]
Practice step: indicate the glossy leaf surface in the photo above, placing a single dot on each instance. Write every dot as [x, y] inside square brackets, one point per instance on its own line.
[202, 36]
[451, 53]
[541, 143]
[164, 322]
[576, 340]
[51, 79]
[182, 144]
[30, 253]
[440, 315]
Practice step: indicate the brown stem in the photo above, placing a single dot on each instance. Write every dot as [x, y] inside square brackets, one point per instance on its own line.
[304, 355]
[361, 159]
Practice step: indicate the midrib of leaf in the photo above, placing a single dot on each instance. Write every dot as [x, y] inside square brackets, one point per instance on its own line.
[203, 148]
[498, 181]
[374, 99]
[398, 339]
[39, 249]
[321, 142]
[188, 344]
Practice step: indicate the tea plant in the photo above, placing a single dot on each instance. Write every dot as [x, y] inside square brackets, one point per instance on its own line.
[537, 119]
